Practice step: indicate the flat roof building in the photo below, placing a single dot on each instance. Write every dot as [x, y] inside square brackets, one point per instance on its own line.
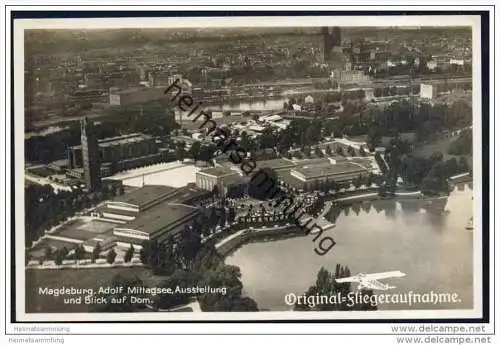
[276, 164]
[188, 194]
[159, 222]
[222, 177]
[141, 199]
[217, 172]
[314, 162]
[338, 172]
[309, 177]
[123, 152]
[152, 212]
[270, 118]
[428, 91]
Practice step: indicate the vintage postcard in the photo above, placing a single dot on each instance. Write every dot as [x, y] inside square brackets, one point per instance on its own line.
[248, 168]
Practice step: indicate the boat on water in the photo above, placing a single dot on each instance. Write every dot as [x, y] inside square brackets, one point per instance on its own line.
[470, 225]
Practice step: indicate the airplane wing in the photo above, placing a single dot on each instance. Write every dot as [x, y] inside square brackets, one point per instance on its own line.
[346, 280]
[383, 275]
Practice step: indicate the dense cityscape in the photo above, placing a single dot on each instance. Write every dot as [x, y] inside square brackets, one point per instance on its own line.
[124, 186]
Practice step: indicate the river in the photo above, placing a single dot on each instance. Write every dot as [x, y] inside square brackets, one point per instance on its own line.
[248, 105]
[270, 103]
[434, 250]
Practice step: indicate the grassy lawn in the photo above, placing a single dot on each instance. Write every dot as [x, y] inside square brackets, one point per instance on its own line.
[39, 250]
[78, 278]
[439, 145]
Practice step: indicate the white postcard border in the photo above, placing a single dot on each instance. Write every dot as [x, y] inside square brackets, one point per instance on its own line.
[407, 20]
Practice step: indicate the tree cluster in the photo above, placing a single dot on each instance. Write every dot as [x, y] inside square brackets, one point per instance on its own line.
[326, 285]
[429, 174]
[462, 145]
[44, 208]
[188, 262]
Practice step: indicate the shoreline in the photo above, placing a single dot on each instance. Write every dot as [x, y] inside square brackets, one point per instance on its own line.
[255, 233]
[233, 242]
[264, 236]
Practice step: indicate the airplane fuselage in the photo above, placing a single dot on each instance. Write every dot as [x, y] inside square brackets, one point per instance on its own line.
[372, 281]
[365, 283]
[374, 285]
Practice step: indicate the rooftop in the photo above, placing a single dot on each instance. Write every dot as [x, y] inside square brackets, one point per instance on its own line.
[256, 128]
[330, 169]
[364, 162]
[218, 171]
[278, 163]
[129, 240]
[116, 211]
[289, 179]
[312, 161]
[273, 118]
[159, 217]
[145, 194]
[123, 141]
[233, 180]
[120, 140]
[186, 194]
[141, 89]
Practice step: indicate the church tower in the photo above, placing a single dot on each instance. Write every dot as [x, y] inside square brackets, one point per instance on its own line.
[332, 37]
[90, 155]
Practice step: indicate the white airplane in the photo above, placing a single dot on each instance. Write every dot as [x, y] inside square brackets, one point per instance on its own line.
[370, 281]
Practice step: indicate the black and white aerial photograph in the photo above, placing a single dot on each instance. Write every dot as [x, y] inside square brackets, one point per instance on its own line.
[298, 169]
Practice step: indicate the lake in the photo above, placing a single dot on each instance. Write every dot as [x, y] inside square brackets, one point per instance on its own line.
[433, 248]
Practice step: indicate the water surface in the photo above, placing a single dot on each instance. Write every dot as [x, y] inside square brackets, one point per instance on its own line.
[434, 249]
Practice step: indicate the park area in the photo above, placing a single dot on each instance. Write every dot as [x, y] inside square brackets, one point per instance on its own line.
[439, 145]
[81, 229]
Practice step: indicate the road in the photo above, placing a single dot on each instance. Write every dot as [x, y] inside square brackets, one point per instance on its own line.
[45, 181]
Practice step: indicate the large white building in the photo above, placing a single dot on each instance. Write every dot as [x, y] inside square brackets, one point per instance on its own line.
[349, 76]
[151, 212]
[159, 222]
[126, 207]
[428, 91]
[338, 172]
[432, 65]
[222, 177]
[459, 62]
